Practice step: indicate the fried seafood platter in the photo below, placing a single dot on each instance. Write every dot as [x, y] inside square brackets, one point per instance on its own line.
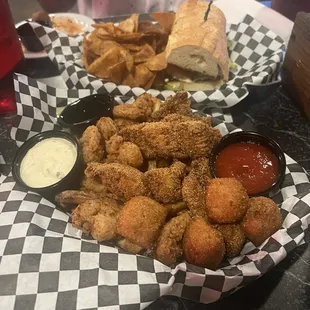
[148, 188]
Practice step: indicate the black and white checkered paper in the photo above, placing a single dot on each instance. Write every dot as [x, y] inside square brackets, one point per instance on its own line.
[48, 264]
[257, 51]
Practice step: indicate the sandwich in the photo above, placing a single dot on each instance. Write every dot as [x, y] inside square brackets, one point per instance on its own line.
[196, 52]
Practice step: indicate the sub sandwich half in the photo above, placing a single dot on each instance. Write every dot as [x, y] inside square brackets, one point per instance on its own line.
[196, 51]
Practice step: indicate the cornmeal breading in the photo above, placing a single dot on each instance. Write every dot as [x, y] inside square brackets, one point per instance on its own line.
[189, 139]
[106, 127]
[140, 110]
[169, 243]
[122, 181]
[97, 217]
[92, 145]
[165, 184]
[140, 221]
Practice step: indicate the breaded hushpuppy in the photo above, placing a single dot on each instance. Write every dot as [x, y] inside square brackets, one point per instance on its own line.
[262, 220]
[234, 238]
[141, 220]
[203, 245]
[226, 200]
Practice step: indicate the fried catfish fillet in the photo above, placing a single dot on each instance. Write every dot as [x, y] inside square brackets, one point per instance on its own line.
[201, 170]
[182, 118]
[178, 104]
[194, 195]
[123, 181]
[165, 184]
[189, 139]
[169, 243]
[97, 217]
[92, 145]
[194, 184]
[140, 110]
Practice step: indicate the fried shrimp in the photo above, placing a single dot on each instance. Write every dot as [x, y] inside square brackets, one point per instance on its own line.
[165, 184]
[233, 237]
[70, 198]
[106, 127]
[203, 245]
[262, 220]
[122, 181]
[125, 153]
[140, 221]
[169, 244]
[92, 145]
[130, 154]
[113, 145]
[94, 187]
[97, 217]
[226, 200]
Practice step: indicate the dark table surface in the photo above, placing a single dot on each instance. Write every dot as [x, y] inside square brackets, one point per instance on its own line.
[270, 111]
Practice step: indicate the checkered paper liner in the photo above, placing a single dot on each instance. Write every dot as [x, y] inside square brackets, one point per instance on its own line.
[257, 51]
[48, 264]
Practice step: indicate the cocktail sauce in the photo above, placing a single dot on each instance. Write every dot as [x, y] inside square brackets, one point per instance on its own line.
[254, 165]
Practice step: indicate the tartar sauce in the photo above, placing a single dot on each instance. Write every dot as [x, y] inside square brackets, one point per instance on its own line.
[48, 162]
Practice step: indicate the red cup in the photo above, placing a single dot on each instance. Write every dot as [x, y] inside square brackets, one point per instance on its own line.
[11, 55]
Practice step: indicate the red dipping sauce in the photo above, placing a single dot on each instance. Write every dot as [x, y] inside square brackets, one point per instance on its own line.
[254, 165]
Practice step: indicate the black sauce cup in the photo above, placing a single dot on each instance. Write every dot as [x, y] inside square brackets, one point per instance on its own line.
[70, 181]
[29, 38]
[249, 136]
[80, 114]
